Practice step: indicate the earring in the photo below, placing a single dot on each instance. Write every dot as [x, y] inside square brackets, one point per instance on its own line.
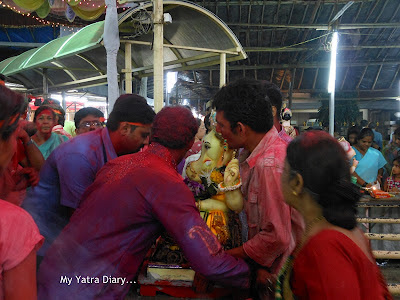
[294, 193]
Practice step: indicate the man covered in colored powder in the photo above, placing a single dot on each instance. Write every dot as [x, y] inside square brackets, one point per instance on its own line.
[132, 201]
[72, 168]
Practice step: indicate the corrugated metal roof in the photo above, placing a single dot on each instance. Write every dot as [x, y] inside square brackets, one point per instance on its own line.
[196, 37]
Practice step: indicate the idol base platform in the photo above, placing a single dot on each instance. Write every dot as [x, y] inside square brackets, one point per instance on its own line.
[175, 281]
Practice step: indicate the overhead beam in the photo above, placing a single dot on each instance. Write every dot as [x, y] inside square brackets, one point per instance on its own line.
[175, 62]
[184, 47]
[93, 81]
[274, 2]
[318, 26]
[304, 65]
[296, 49]
[21, 44]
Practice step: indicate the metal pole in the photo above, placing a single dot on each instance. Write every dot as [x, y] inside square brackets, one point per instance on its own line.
[222, 69]
[128, 68]
[45, 84]
[176, 92]
[331, 84]
[158, 53]
[143, 87]
[291, 85]
[332, 113]
[64, 102]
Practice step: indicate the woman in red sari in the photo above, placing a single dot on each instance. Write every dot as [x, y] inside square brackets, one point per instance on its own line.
[333, 260]
[19, 235]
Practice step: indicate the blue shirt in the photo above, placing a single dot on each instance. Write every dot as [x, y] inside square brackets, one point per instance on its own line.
[65, 175]
[132, 200]
[369, 164]
[52, 143]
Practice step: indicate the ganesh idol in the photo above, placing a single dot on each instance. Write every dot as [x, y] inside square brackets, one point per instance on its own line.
[219, 197]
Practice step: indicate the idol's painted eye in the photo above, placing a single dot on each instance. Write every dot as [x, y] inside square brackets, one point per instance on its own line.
[207, 145]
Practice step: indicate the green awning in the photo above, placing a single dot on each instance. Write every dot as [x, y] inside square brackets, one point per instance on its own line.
[195, 38]
[86, 39]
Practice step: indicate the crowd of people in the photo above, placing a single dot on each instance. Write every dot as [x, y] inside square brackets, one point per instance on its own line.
[103, 198]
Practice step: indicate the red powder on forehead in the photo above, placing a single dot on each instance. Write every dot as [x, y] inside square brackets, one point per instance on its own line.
[45, 112]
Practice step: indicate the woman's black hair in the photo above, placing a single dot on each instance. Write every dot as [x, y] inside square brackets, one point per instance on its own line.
[365, 132]
[352, 130]
[322, 163]
[11, 104]
[43, 108]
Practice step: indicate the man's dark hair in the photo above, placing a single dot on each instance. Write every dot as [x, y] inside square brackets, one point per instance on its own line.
[43, 108]
[245, 101]
[174, 127]
[274, 96]
[130, 108]
[87, 111]
[372, 125]
[364, 123]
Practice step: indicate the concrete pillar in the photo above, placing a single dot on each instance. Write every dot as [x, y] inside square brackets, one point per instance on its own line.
[158, 53]
[364, 113]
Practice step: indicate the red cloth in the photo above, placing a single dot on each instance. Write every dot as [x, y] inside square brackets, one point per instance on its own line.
[195, 148]
[332, 266]
[19, 236]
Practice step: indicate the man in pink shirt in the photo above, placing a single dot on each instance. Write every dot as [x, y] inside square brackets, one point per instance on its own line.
[244, 118]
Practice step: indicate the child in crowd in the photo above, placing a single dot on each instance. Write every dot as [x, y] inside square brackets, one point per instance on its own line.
[392, 183]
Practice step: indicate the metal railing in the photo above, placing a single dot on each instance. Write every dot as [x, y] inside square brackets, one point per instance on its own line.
[394, 288]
